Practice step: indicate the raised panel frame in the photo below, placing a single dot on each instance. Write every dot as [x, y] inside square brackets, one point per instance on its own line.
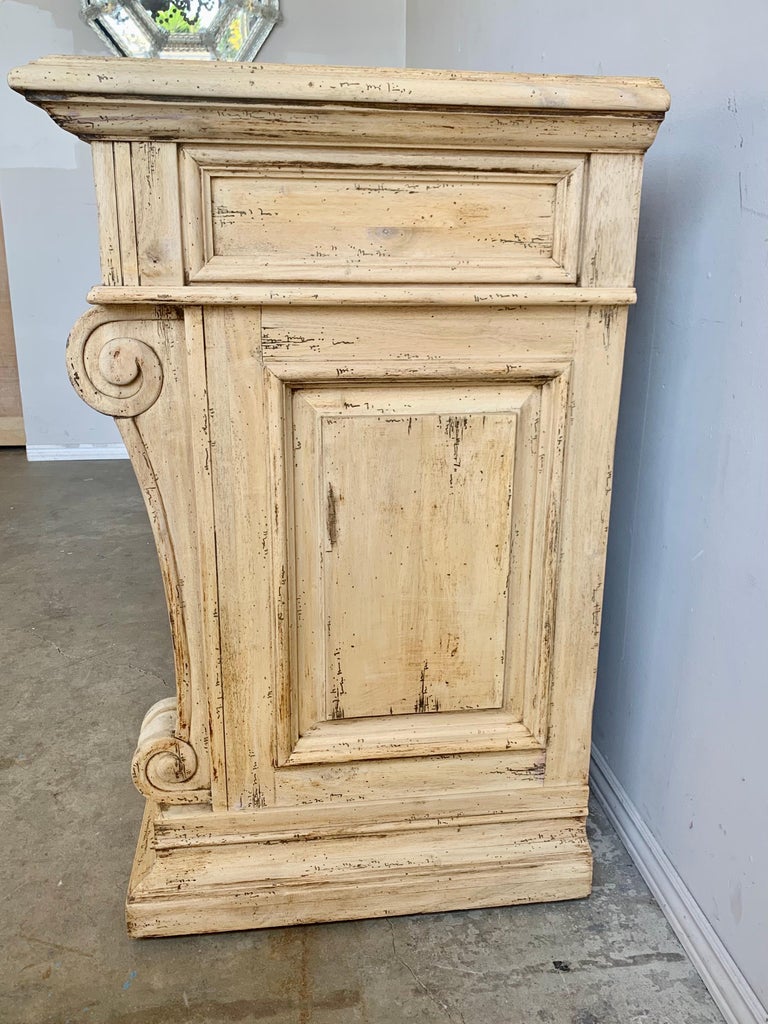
[516, 260]
[522, 723]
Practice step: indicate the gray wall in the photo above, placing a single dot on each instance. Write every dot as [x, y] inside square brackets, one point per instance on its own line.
[682, 703]
[46, 187]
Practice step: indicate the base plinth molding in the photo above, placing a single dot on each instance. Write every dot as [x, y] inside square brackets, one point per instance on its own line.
[252, 884]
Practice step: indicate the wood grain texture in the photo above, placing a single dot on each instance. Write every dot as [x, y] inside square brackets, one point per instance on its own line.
[550, 131]
[237, 408]
[362, 333]
[126, 211]
[611, 218]
[475, 333]
[417, 636]
[591, 433]
[175, 826]
[254, 885]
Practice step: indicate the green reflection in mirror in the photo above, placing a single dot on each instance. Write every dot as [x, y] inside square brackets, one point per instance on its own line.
[181, 15]
[212, 29]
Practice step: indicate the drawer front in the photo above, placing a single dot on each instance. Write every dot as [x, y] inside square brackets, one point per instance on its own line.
[262, 216]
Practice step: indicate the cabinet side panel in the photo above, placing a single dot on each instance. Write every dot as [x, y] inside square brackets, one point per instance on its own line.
[237, 405]
[591, 434]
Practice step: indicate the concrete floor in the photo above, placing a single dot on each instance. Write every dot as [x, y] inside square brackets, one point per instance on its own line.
[85, 652]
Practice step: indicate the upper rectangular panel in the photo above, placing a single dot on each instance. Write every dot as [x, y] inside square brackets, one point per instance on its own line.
[252, 215]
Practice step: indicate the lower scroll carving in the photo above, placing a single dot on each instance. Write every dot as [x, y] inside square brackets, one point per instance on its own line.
[164, 765]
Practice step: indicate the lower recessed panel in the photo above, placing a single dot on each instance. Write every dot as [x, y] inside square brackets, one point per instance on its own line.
[414, 514]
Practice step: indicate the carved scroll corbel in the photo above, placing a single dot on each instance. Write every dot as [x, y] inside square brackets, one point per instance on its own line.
[164, 765]
[120, 360]
[117, 374]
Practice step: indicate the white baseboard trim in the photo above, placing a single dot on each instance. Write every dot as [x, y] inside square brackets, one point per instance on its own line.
[730, 990]
[75, 452]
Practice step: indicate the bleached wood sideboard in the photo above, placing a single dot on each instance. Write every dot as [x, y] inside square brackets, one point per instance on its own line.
[362, 333]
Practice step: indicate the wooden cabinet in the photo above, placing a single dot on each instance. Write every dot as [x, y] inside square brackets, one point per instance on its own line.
[362, 332]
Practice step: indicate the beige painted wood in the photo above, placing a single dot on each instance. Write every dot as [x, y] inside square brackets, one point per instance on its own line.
[552, 131]
[276, 104]
[132, 363]
[482, 335]
[337, 878]
[447, 481]
[104, 173]
[155, 185]
[610, 221]
[362, 332]
[177, 826]
[352, 222]
[104, 77]
[237, 391]
[321, 294]
[126, 211]
[11, 419]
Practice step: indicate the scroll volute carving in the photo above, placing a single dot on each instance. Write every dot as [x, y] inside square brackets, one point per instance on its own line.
[164, 766]
[114, 364]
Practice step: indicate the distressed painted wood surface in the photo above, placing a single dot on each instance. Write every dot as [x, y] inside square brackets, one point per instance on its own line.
[362, 333]
[104, 77]
[262, 215]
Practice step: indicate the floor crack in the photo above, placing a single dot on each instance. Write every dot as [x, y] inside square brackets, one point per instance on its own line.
[441, 1006]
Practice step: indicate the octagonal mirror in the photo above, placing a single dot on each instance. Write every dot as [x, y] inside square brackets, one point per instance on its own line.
[202, 29]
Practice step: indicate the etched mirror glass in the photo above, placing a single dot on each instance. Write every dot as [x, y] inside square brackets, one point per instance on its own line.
[202, 29]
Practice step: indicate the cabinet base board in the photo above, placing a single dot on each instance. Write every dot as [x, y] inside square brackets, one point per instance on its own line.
[251, 884]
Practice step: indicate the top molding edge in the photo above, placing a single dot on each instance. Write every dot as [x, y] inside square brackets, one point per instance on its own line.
[206, 81]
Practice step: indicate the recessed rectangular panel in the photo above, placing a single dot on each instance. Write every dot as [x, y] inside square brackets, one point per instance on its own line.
[418, 531]
[384, 218]
[261, 220]
[404, 511]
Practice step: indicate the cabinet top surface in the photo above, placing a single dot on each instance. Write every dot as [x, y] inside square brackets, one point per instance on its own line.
[206, 81]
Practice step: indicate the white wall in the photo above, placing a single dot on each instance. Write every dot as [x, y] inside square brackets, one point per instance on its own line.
[49, 211]
[47, 196]
[682, 703]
